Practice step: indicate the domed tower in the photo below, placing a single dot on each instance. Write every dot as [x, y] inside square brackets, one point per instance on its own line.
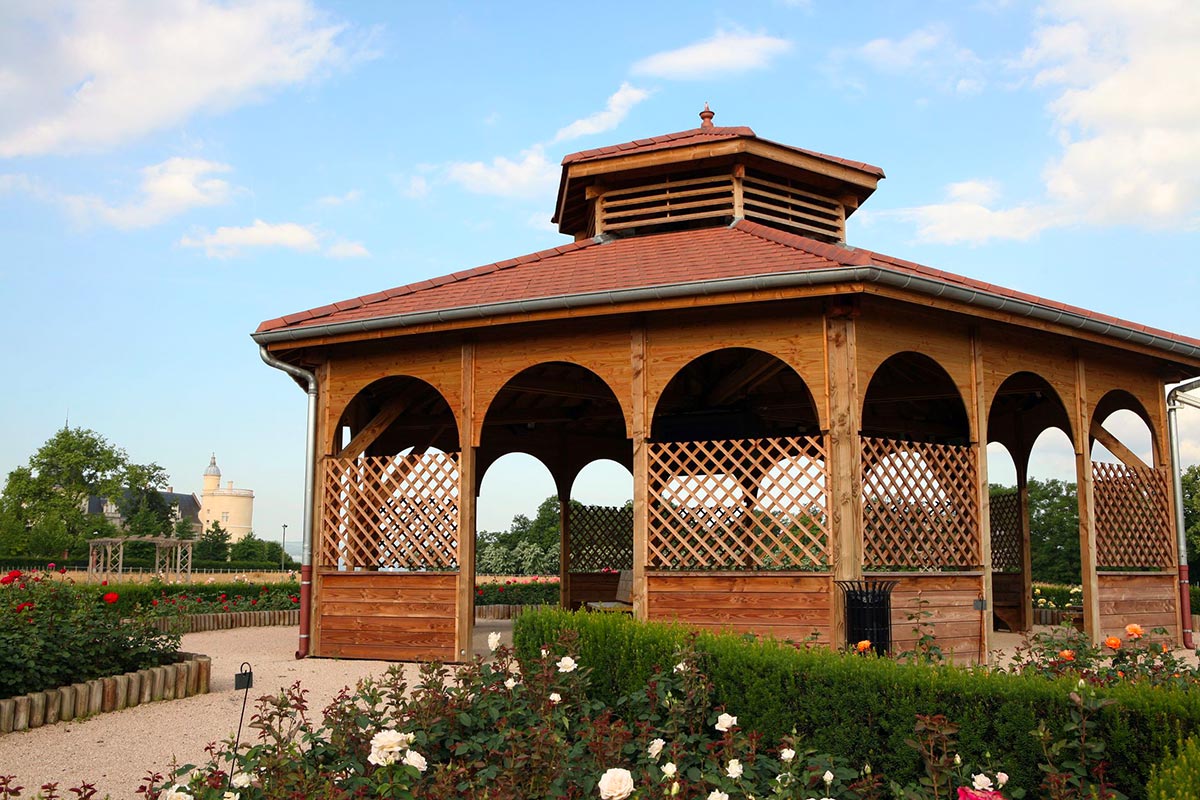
[212, 475]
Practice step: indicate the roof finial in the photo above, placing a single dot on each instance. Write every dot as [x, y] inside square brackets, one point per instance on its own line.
[706, 117]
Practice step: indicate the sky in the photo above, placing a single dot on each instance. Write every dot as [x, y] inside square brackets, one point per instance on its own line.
[173, 173]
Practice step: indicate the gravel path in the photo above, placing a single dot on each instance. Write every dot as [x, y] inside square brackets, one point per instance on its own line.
[114, 751]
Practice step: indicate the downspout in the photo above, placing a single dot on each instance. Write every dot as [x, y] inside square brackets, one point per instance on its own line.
[310, 468]
[1176, 399]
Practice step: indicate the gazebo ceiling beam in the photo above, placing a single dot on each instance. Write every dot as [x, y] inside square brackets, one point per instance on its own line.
[390, 412]
[754, 372]
[1116, 447]
[558, 388]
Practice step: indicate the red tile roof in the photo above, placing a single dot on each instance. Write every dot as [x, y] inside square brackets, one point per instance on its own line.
[701, 136]
[666, 259]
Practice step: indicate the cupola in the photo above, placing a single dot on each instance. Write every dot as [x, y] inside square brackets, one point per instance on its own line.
[709, 176]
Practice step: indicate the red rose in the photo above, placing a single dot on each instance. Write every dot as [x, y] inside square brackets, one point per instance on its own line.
[253, 602]
[6, 580]
[62, 571]
[153, 602]
[111, 598]
[50, 565]
[16, 573]
[221, 599]
[104, 583]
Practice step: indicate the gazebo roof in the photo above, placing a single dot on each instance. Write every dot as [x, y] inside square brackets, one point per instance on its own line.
[744, 256]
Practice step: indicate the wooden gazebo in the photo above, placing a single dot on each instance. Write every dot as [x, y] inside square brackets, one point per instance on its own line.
[794, 411]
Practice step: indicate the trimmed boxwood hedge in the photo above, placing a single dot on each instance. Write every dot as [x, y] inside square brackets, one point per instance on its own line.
[864, 708]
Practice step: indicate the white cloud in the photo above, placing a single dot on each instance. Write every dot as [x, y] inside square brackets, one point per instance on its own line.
[532, 175]
[340, 199]
[167, 190]
[930, 53]
[342, 250]
[966, 219]
[88, 76]
[540, 220]
[892, 55]
[725, 54]
[1126, 111]
[230, 241]
[414, 186]
[618, 107]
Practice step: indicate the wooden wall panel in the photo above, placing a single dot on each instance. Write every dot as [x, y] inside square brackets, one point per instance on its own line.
[951, 598]
[1149, 599]
[884, 329]
[592, 587]
[602, 347]
[387, 616]
[767, 604]
[1007, 351]
[794, 334]
[1108, 372]
[1008, 599]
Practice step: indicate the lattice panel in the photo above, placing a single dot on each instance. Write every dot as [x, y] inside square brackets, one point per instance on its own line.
[391, 512]
[1133, 516]
[919, 505]
[1005, 512]
[738, 504]
[600, 537]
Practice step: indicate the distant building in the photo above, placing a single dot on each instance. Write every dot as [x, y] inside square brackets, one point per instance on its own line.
[183, 506]
[232, 509]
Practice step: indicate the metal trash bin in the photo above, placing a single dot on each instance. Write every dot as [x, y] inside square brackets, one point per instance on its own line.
[869, 613]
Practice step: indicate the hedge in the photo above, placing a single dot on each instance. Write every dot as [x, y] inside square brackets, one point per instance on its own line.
[133, 595]
[865, 708]
[1177, 777]
[531, 593]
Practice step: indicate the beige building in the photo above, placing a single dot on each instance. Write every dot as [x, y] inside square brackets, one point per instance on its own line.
[232, 508]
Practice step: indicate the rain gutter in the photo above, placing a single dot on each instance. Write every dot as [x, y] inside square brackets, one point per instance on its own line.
[774, 281]
[310, 465]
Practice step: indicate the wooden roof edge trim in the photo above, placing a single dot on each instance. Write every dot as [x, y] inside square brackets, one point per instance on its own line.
[906, 281]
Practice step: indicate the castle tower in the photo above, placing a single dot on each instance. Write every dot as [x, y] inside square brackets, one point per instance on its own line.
[232, 509]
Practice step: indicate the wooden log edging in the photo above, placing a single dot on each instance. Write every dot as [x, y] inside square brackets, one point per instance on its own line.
[199, 623]
[189, 675]
[502, 611]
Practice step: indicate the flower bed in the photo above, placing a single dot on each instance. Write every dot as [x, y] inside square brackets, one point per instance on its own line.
[533, 591]
[186, 676]
[198, 623]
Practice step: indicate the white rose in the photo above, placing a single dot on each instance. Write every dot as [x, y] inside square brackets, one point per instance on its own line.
[787, 754]
[725, 722]
[828, 778]
[510, 683]
[655, 748]
[957, 760]
[669, 769]
[1001, 778]
[616, 784]
[231, 796]
[566, 664]
[240, 779]
[717, 795]
[387, 745]
[555, 698]
[176, 792]
[545, 652]
[734, 768]
[493, 640]
[681, 666]
[415, 759]
[981, 783]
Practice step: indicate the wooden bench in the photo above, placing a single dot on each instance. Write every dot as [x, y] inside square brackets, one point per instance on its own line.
[622, 602]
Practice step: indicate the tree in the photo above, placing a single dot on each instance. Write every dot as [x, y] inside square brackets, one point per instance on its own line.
[49, 496]
[1189, 482]
[248, 548]
[184, 529]
[213, 544]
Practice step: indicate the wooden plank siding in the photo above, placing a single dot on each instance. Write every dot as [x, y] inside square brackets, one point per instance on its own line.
[1148, 599]
[1008, 598]
[591, 587]
[951, 599]
[387, 616]
[784, 606]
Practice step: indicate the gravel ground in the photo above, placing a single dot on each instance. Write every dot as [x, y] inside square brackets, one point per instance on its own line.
[114, 751]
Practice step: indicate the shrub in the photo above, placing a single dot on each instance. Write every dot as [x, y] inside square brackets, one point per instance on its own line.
[160, 599]
[1177, 777]
[863, 707]
[53, 633]
[539, 591]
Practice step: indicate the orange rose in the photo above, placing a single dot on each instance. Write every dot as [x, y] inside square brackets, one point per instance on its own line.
[1113, 642]
[1134, 631]
[1066, 655]
[1164, 648]
[863, 646]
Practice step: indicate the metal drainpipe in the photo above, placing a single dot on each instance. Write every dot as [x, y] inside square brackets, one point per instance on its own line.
[310, 468]
[1175, 401]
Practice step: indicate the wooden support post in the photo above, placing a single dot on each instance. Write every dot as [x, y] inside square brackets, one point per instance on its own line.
[845, 470]
[564, 550]
[390, 412]
[1026, 547]
[465, 622]
[1160, 455]
[1087, 504]
[979, 446]
[641, 472]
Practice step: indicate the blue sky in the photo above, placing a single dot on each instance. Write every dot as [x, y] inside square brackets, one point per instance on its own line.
[173, 173]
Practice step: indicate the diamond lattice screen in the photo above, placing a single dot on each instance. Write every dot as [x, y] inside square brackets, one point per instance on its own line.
[919, 505]
[1005, 511]
[391, 512]
[601, 537]
[738, 504]
[1133, 517]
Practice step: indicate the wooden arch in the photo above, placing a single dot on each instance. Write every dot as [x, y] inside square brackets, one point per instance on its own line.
[392, 414]
[1022, 408]
[912, 397]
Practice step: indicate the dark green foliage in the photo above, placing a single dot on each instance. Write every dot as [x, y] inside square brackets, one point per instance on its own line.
[534, 593]
[141, 595]
[863, 708]
[213, 544]
[1177, 777]
[1189, 483]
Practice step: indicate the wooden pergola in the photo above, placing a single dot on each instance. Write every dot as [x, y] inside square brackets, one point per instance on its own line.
[793, 412]
[106, 555]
